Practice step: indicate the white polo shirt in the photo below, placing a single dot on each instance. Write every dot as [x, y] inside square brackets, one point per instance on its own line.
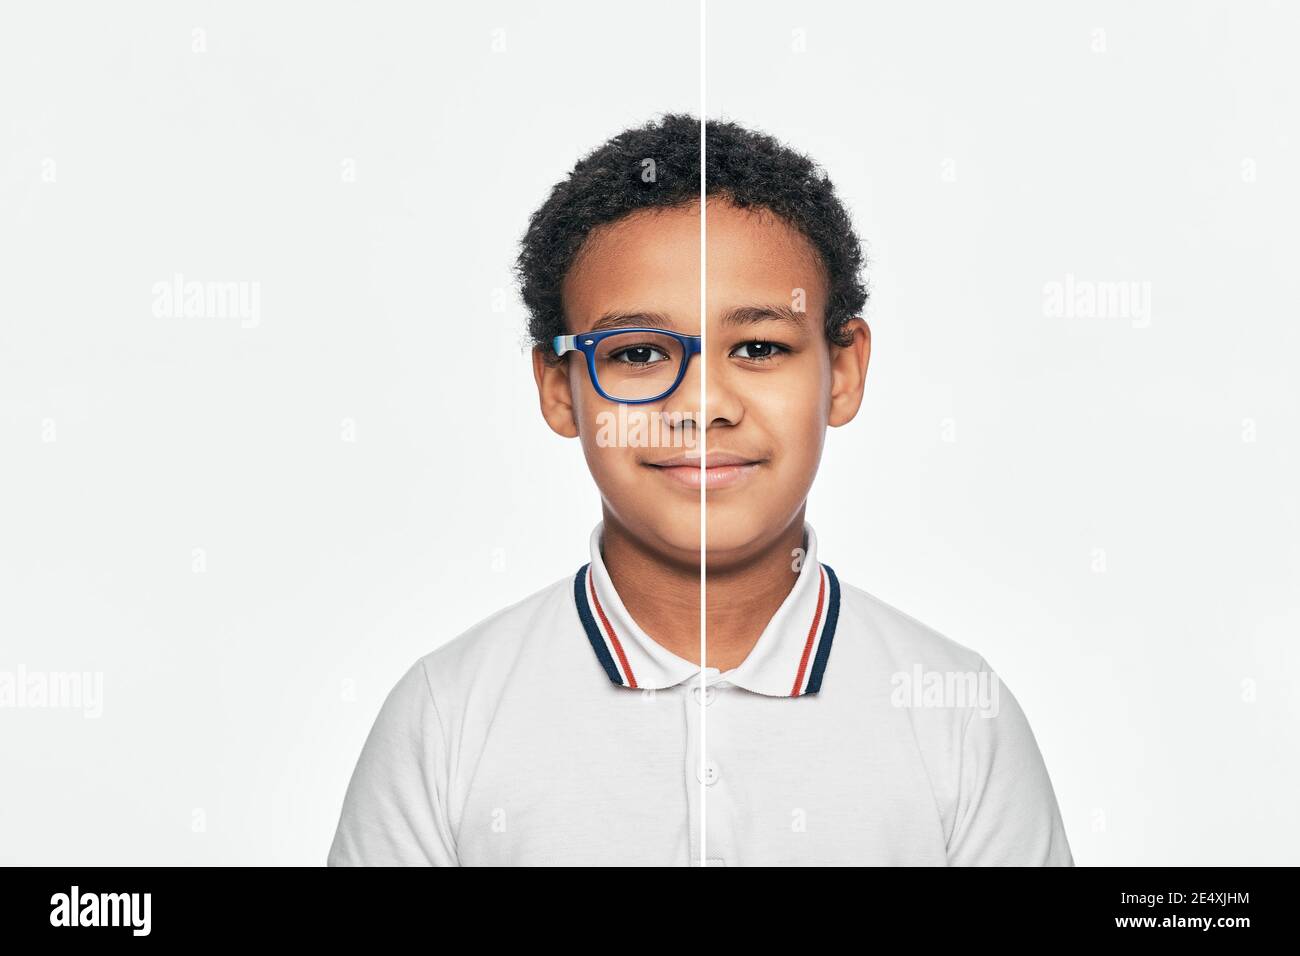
[556, 732]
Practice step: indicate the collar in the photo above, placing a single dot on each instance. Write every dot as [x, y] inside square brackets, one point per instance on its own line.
[788, 660]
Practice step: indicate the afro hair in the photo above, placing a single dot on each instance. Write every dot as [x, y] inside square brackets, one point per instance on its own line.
[748, 168]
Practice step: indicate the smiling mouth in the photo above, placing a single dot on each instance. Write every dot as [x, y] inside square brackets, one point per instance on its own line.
[722, 470]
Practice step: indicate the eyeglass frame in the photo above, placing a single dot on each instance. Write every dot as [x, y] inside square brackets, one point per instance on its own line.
[586, 342]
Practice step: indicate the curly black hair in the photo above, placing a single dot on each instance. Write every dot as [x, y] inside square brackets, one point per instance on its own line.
[748, 168]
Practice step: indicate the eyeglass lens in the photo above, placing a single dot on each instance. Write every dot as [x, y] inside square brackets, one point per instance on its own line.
[632, 366]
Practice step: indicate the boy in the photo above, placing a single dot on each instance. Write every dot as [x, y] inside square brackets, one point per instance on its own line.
[566, 729]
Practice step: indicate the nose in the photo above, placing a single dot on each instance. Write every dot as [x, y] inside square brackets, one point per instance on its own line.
[681, 408]
[719, 405]
[722, 403]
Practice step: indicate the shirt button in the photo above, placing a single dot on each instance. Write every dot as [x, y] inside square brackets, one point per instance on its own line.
[708, 695]
[708, 774]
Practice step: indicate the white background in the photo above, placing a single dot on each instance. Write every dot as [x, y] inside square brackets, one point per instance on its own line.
[984, 153]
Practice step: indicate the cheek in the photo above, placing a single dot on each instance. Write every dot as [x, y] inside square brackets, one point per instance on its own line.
[796, 429]
[610, 459]
[793, 408]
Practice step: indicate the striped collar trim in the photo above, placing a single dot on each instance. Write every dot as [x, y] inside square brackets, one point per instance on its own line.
[791, 655]
[788, 660]
[629, 656]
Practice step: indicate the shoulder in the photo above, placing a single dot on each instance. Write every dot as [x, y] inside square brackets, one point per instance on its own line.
[898, 636]
[471, 672]
[505, 631]
[487, 654]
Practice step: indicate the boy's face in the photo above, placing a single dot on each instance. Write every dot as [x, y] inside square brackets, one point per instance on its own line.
[774, 382]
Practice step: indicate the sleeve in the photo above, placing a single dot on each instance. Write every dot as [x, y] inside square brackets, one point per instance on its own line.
[394, 813]
[1007, 813]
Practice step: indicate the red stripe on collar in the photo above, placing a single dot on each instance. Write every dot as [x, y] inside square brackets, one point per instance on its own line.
[609, 629]
[812, 633]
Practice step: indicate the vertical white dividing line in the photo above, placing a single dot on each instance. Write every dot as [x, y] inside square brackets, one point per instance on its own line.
[701, 428]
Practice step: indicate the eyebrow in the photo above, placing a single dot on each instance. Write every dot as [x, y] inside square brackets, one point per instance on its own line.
[744, 315]
[749, 314]
[620, 320]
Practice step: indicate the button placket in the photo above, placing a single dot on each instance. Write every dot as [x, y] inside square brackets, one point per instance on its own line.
[719, 803]
[708, 774]
[694, 805]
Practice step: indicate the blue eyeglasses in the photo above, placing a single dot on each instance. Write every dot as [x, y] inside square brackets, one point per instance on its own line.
[632, 366]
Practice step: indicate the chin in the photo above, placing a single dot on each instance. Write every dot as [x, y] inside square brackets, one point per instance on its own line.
[733, 541]
[675, 534]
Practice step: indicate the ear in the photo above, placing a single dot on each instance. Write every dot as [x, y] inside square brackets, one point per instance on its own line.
[849, 373]
[554, 394]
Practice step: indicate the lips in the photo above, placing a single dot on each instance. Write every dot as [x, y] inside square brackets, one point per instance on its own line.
[721, 469]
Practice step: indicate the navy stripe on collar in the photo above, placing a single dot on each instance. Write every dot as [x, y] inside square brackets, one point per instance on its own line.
[828, 633]
[592, 628]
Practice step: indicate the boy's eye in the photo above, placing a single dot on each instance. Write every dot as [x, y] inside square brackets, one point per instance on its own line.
[758, 351]
[639, 355]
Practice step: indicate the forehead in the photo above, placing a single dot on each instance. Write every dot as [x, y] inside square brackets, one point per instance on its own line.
[650, 261]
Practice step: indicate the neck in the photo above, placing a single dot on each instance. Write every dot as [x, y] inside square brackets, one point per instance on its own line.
[663, 596]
